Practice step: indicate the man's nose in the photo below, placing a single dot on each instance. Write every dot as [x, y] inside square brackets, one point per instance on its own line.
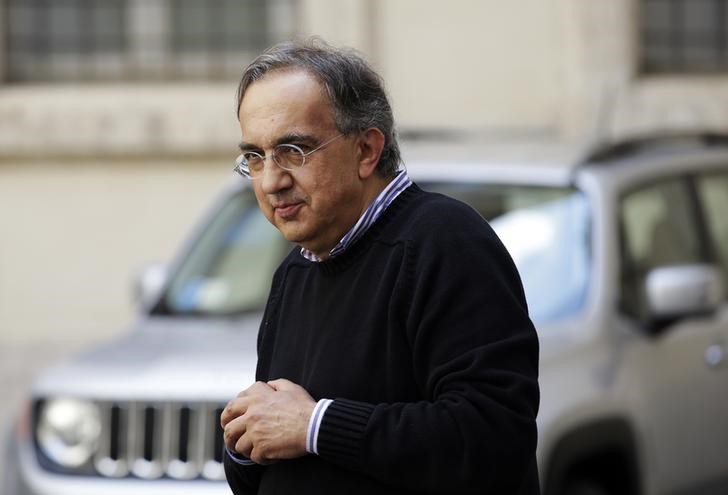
[273, 178]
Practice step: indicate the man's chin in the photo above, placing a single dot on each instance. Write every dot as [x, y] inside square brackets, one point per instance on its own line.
[301, 241]
[291, 233]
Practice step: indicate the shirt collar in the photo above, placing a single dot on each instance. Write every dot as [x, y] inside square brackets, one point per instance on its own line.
[370, 215]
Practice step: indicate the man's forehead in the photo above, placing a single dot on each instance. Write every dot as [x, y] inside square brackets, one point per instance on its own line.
[290, 137]
[284, 102]
[290, 85]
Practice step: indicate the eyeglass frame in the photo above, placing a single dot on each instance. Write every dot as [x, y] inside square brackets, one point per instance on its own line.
[242, 169]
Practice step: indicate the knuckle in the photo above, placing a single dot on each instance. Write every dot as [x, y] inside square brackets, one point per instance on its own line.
[259, 385]
[262, 453]
[225, 417]
[243, 448]
[228, 437]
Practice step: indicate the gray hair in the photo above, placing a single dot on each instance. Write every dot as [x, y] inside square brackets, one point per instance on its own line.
[356, 93]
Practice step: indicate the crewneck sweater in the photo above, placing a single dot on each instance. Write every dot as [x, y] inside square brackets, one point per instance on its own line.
[419, 332]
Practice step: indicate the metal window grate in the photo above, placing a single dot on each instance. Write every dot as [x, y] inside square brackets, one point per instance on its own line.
[105, 40]
[684, 36]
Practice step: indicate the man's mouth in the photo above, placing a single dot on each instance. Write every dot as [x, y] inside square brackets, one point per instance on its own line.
[287, 210]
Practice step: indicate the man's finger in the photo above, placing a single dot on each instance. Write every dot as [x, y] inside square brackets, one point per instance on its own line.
[233, 431]
[255, 389]
[235, 408]
[239, 405]
[244, 446]
[258, 458]
[281, 384]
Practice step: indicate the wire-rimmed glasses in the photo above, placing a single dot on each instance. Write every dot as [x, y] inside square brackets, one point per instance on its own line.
[250, 164]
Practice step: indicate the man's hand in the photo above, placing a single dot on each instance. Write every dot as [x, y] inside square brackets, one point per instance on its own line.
[268, 421]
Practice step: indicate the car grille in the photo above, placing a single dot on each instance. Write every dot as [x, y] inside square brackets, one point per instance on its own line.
[152, 440]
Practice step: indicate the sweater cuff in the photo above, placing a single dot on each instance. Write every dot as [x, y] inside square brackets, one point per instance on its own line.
[314, 425]
[342, 430]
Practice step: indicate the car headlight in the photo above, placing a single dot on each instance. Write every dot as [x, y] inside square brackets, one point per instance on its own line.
[68, 431]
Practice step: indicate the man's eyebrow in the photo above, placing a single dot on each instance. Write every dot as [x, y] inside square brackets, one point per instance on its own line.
[246, 146]
[291, 137]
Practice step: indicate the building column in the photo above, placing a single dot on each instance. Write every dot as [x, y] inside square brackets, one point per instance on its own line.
[600, 48]
[3, 37]
[349, 23]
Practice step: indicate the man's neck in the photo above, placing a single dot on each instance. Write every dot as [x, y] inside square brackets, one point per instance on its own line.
[372, 189]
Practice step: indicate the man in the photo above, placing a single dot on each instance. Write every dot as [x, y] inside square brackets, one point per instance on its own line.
[395, 354]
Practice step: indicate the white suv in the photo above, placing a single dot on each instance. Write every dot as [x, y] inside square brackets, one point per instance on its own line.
[624, 258]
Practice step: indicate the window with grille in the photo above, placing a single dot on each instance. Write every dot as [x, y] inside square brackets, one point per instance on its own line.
[87, 40]
[684, 36]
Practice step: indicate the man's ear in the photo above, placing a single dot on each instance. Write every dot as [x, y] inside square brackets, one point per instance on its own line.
[371, 143]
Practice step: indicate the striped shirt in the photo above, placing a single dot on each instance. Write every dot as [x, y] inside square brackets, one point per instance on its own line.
[370, 215]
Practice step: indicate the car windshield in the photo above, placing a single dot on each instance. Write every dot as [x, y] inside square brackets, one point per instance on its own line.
[546, 231]
[228, 269]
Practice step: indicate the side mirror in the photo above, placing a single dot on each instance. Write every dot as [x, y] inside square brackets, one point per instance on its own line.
[674, 292]
[148, 285]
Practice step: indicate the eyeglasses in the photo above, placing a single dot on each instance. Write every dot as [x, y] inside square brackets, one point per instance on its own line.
[250, 164]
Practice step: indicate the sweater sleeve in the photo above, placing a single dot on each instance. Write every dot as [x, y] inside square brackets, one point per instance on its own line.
[242, 474]
[475, 354]
[243, 478]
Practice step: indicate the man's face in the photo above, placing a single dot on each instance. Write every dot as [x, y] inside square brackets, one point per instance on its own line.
[315, 205]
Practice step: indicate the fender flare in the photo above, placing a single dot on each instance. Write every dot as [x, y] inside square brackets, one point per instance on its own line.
[604, 435]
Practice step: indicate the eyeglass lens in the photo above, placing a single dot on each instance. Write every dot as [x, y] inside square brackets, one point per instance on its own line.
[287, 156]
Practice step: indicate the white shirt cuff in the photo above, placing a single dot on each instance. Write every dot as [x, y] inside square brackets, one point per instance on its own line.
[314, 424]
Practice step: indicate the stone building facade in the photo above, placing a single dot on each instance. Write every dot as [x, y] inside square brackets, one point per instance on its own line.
[117, 121]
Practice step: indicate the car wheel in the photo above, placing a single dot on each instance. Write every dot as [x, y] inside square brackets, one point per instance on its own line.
[585, 486]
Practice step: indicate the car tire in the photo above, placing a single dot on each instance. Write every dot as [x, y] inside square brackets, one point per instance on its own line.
[585, 486]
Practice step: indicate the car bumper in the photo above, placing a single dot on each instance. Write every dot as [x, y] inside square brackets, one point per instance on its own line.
[23, 476]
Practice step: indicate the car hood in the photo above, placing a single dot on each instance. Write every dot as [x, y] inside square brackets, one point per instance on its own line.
[165, 358]
[162, 358]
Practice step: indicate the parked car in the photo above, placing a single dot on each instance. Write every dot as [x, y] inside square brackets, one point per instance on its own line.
[624, 259]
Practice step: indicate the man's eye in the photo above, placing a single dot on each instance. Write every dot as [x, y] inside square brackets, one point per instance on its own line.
[287, 150]
[252, 158]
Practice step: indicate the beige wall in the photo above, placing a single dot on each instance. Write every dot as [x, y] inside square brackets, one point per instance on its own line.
[598, 51]
[561, 67]
[603, 94]
[477, 65]
[343, 22]
[74, 232]
[473, 64]
[118, 119]
[671, 103]
[467, 64]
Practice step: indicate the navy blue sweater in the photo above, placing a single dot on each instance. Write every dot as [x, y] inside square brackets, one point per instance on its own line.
[420, 333]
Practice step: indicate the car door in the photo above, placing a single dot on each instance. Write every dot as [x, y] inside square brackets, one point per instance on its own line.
[712, 192]
[681, 396]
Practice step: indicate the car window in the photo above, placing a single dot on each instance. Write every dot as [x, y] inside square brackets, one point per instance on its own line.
[229, 268]
[546, 231]
[713, 191]
[659, 229]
